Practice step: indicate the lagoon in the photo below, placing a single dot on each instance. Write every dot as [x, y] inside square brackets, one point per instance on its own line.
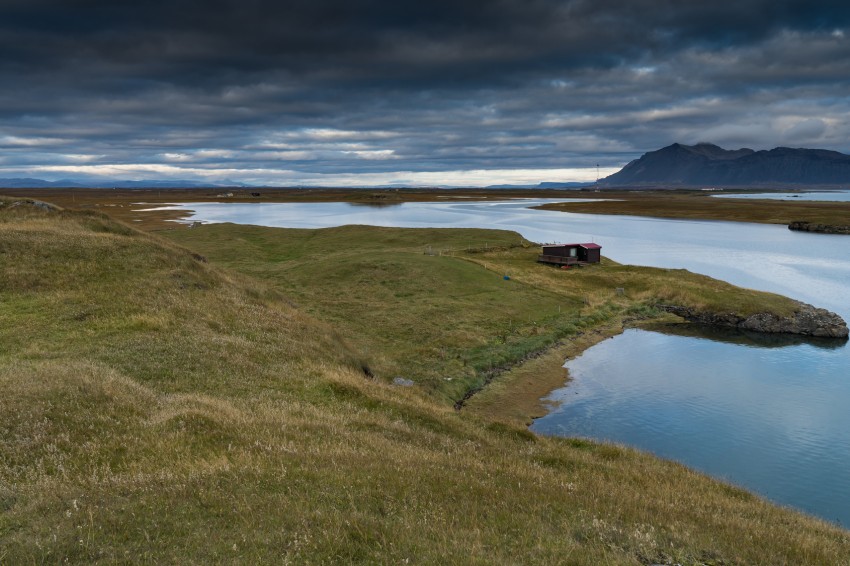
[770, 416]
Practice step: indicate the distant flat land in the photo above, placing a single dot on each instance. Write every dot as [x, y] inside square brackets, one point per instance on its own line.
[123, 204]
[699, 205]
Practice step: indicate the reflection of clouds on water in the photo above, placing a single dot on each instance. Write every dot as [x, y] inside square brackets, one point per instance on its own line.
[773, 420]
[739, 337]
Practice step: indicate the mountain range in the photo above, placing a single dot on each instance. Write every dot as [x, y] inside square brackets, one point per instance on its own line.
[706, 164]
[677, 165]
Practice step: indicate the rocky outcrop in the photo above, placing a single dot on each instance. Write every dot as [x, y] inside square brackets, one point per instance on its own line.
[806, 320]
[821, 228]
[28, 203]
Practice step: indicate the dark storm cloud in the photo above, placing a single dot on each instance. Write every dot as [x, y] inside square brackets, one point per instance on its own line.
[380, 86]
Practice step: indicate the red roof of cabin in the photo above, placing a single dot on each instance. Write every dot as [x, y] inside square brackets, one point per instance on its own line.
[585, 246]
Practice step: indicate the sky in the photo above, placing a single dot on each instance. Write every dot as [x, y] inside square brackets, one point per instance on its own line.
[396, 92]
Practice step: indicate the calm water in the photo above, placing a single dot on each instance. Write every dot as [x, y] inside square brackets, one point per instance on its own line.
[768, 414]
[839, 196]
[774, 420]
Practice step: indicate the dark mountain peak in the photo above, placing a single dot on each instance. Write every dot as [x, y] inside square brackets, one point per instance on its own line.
[702, 149]
[706, 164]
[716, 152]
[709, 150]
[799, 151]
[672, 148]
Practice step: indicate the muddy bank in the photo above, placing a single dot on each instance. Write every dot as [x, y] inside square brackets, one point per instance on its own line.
[518, 393]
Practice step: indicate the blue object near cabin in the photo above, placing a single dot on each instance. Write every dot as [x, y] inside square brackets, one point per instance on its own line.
[506, 278]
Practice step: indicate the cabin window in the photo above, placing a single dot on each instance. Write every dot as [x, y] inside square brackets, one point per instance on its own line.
[573, 252]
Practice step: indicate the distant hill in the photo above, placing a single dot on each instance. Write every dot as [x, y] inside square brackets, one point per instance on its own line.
[706, 164]
[28, 183]
[546, 185]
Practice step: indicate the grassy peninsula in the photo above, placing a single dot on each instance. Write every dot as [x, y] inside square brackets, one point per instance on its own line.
[223, 394]
[433, 305]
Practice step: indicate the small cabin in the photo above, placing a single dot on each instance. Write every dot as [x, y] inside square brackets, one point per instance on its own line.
[571, 254]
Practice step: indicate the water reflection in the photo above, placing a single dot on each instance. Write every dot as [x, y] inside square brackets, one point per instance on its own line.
[774, 420]
[743, 337]
[377, 204]
[835, 196]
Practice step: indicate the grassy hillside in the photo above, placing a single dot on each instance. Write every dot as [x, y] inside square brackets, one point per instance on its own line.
[433, 305]
[414, 311]
[157, 408]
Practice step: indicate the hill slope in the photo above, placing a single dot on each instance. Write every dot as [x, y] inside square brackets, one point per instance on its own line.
[709, 165]
[158, 409]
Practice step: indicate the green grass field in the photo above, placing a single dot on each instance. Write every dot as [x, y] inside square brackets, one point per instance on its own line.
[164, 405]
[433, 305]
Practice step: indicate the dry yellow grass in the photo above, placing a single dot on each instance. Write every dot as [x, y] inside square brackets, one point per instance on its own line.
[158, 409]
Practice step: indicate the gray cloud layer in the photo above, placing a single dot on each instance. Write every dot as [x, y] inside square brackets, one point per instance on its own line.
[261, 90]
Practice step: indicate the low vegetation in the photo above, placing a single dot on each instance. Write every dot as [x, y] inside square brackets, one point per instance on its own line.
[698, 205]
[158, 407]
[449, 309]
